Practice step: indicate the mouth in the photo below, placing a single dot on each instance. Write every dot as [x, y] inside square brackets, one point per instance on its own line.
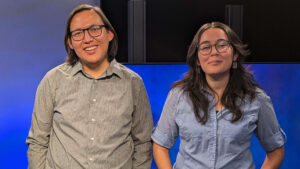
[216, 62]
[90, 48]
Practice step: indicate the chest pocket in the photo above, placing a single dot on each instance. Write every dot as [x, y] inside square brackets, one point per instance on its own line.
[240, 130]
[190, 127]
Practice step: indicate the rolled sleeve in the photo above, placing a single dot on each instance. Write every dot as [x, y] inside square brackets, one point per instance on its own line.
[162, 139]
[268, 130]
[166, 131]
[273, 142]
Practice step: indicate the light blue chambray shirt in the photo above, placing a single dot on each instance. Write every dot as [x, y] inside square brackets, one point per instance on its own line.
[218, 144]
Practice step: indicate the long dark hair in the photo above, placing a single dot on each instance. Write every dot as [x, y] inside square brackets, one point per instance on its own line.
[72, 58]
[241, 82]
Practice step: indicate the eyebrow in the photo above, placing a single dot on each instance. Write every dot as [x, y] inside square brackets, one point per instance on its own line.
[82, 29]
[209, 41]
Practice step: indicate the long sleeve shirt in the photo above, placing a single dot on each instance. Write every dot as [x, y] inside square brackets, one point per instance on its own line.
[80, 122]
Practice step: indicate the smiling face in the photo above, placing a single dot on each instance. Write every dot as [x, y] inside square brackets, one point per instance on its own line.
[215, 63]
[92, 51]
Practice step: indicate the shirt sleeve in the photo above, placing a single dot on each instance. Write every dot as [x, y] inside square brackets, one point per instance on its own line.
[41, 124]
[268, 130]
[166, 131]
[142, 125]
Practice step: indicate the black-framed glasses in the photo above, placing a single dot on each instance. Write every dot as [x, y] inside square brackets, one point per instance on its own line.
[221, 47]
[94, 31]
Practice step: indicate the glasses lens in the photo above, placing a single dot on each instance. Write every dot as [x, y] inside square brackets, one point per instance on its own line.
[77, 35]
[95, 30]
[205, 48]
[222, 46]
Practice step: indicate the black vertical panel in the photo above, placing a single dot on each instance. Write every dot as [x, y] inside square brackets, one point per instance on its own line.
[116, 12]
[234, 15]
[136, 33]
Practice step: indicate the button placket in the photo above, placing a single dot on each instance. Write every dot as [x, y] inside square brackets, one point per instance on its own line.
[92, 121]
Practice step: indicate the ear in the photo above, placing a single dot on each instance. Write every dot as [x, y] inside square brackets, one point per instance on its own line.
[70, 43]
[197, 62]
[110, 35]
[235, 56]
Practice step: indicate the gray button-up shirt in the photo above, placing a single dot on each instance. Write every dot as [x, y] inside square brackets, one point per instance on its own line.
[218, 144]
[80, 122]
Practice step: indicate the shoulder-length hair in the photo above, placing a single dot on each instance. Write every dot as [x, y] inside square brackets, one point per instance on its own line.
[241, 82]
[72, 58]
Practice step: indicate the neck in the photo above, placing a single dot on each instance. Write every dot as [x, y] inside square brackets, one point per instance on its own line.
[218, 84]
[96, 70]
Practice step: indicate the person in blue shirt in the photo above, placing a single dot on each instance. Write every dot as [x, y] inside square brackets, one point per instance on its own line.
[215, 109]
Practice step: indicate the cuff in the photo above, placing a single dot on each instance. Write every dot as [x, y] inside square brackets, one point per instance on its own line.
[162, 139]
[275, 141]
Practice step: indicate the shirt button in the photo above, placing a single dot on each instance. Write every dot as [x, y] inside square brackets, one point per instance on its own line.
[91, 159]
[92, 138]
[93, 120]
[94, 100]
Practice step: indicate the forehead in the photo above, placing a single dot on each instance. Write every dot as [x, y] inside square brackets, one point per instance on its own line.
[84, 19]
[212, 35]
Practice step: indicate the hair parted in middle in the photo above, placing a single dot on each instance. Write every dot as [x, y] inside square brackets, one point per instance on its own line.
[72, 57]
[241, 82]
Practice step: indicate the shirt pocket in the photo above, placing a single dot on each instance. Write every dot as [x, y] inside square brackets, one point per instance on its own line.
[190, 127]
[240, 130]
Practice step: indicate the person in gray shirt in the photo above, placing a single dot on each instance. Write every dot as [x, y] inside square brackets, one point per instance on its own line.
[215, 109]
[90, 112]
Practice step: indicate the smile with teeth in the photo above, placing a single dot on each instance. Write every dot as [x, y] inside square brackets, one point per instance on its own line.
[90, 48]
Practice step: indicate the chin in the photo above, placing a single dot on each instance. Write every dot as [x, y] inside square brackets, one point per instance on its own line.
[218, 73]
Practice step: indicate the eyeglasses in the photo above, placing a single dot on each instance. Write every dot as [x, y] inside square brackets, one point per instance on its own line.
[221, 47]
[94, 31]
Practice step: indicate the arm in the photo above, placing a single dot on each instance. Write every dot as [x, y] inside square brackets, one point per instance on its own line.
[142, 125]
[269, 133]
[273, 159]
[41, 125]
[161, 157]
[166, 131]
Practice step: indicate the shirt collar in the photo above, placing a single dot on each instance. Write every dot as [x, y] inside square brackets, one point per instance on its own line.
[114, 68]
[76, 68]
[205, 90]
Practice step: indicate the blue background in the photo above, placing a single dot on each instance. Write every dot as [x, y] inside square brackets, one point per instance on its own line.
[31, 43]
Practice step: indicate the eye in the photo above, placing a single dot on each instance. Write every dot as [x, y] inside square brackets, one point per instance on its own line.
[221, 45]
[204, 47]
[77, 33]
[95, 29]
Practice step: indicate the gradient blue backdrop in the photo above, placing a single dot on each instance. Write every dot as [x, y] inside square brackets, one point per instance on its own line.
[31, 43]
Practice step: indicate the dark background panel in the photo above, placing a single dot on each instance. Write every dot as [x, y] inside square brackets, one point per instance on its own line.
[271, 28]
[171, 25]
[116, 12]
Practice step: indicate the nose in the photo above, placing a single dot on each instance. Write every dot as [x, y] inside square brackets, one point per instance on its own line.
[87, 37]
[214, 50]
